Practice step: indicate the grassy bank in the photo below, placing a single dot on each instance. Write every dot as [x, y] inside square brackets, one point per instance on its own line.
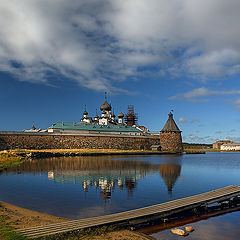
[9, 159]
[82, 151]
[7, 232]
[13, 217]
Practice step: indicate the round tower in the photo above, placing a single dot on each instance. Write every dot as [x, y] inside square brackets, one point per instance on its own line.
[170, 136]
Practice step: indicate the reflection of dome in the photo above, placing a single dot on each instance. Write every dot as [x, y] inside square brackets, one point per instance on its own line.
[105, 106]
[105, 194]
[170, 173]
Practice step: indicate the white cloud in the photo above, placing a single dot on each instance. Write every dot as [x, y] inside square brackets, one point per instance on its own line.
[195, 120]
[182, 120]
[199, 139]
[199, 94]
[237, 104]
[100, 42]
[192, 137]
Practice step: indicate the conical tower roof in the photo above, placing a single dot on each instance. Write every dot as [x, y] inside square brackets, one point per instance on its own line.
[170, 125]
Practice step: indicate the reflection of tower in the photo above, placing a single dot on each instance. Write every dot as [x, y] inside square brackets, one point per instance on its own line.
[131, 117]
[130, 184]
[170, 173]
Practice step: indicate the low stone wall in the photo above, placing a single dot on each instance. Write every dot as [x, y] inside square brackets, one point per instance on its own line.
[54, 141]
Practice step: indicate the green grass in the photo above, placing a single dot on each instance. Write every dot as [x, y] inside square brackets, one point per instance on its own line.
[88, 233]
[9, 159]
[7, 232]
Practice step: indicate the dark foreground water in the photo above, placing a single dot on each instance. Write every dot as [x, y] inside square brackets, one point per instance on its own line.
[82, 187]
[225, 227]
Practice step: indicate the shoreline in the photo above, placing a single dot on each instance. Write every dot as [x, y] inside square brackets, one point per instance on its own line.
[49, 153]
[17, 217]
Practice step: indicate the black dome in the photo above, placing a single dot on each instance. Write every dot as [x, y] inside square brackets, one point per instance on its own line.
[105, 106]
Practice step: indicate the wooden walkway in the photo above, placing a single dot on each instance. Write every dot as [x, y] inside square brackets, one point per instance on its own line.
[138, 215]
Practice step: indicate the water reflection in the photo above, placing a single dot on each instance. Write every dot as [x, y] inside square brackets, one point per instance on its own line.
[170, 174]
[215, 228]
[79, 187]
[105, 174]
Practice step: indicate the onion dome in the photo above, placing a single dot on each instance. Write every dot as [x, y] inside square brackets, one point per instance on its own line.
[96, 116]
[120, 115]
[105, 106]
[33, 127]
[85, 111]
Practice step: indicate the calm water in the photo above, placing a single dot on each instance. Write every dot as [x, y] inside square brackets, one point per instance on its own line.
[90, 186]
[225, 227]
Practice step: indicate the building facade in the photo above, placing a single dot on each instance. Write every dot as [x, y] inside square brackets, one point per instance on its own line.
[230, 147]
[217, 145]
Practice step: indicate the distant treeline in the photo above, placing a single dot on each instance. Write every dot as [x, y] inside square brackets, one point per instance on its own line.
[196, 146]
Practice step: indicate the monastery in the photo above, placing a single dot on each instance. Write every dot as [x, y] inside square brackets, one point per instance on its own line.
[100, 132]
[104, 124]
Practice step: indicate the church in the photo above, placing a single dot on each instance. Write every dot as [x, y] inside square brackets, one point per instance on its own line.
[107, 123]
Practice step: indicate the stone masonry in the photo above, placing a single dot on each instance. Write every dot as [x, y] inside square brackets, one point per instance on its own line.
[50, 141]
[171, 141]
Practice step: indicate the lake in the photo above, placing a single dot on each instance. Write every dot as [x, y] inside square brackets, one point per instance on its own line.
[79, 187]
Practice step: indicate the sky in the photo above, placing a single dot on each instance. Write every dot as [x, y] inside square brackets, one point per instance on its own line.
[181, 55]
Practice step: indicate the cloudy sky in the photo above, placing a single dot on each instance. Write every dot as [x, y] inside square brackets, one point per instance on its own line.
[182, 55]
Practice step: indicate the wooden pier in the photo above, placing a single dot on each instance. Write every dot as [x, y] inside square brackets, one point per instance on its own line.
[137, 216]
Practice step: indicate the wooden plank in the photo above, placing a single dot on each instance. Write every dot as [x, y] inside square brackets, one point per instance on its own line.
[92, 219]
[159, 210]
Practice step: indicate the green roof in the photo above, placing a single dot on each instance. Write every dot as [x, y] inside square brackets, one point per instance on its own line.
[82, 126]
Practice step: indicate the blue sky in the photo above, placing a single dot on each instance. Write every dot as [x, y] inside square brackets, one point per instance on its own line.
[56, 56]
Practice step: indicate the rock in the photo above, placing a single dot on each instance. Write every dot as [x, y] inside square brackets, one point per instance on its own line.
[179, 232]
[189, 229]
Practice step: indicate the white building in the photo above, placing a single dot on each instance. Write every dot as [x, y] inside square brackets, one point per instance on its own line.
[230, 147]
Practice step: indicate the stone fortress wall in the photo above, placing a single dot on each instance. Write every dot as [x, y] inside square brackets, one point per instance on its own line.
[169, 140]
[19, 140]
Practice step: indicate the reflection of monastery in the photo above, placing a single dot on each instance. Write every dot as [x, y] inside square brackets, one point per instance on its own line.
[105, 174]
